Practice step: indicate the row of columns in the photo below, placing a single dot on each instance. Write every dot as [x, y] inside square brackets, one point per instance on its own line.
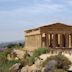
[58, 40]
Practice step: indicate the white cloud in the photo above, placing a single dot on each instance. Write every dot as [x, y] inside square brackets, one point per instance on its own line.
[25, 15]
[37, 8]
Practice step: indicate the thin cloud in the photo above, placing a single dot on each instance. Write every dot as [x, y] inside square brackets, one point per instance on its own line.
[32, 14]
[6, 0]
[69, 3]
[35, 9]
[24, 14]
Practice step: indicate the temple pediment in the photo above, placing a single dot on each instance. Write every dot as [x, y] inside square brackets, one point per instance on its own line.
[57, 25]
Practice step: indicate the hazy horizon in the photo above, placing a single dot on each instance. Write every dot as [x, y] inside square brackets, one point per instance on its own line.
[16, 16]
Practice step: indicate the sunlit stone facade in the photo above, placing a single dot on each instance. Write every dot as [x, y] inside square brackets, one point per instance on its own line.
[53, 36]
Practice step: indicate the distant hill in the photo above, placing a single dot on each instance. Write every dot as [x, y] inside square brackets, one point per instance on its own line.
[5, 44]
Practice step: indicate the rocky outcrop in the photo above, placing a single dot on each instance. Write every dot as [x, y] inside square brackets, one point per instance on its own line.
[15, 67]
[32, 68]
[37, 67]
[25, 69]
[19, 53]
[16, 54]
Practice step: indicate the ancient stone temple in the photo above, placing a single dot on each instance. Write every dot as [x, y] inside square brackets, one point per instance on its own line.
[53, 36]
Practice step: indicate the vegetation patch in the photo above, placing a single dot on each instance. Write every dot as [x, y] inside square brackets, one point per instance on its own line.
[62, 62]
[4, 63]
[36, 54]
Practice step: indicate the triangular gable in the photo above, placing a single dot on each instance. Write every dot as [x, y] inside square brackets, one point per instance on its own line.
[57, 25]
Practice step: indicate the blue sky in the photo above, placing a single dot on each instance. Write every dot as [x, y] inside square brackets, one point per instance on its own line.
[19, 15]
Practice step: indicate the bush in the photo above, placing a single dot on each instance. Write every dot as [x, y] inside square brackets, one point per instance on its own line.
[36, 54]
[3, 58]
[40, 51]
[4, 63]
[51, 66]
[31, 60]
[3, 55]
[4, 67]
[62, 61]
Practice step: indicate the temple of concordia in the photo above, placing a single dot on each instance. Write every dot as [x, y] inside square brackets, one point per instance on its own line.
[54, 36]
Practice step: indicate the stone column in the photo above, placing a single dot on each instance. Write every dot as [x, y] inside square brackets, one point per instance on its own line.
[47, 40]
[67, 40]
[71, 40]
[50, 40]
[61, 40]
[43, 40]
[54, 41]
[58, 40]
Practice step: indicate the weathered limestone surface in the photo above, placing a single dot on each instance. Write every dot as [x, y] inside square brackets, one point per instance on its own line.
[33, 42]
[15, 67]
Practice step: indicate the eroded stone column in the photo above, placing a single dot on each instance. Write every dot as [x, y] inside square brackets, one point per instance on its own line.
[67, 40]
[43, 40]
[54, 41]
[71, 40]
[58, 40]
[61, 40]
[50, 40]
[47, 40]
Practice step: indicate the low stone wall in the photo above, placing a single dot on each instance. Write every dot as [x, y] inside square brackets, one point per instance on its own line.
[61, 50]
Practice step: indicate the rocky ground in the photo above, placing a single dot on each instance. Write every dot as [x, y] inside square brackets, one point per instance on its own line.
[35, 67]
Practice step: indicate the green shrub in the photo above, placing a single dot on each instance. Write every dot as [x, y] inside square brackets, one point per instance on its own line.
[40, 51]
[3, 58]
[62, 61]
[31, 60]
[4, 63]
[3, 55]
[4, 67]
[36, 54]
[50, 66]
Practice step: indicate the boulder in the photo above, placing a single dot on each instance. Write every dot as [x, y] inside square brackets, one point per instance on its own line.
[25, 69]
[39, 62]
[15, 67]
[45, 56]
[32, 68]
[19, 53]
